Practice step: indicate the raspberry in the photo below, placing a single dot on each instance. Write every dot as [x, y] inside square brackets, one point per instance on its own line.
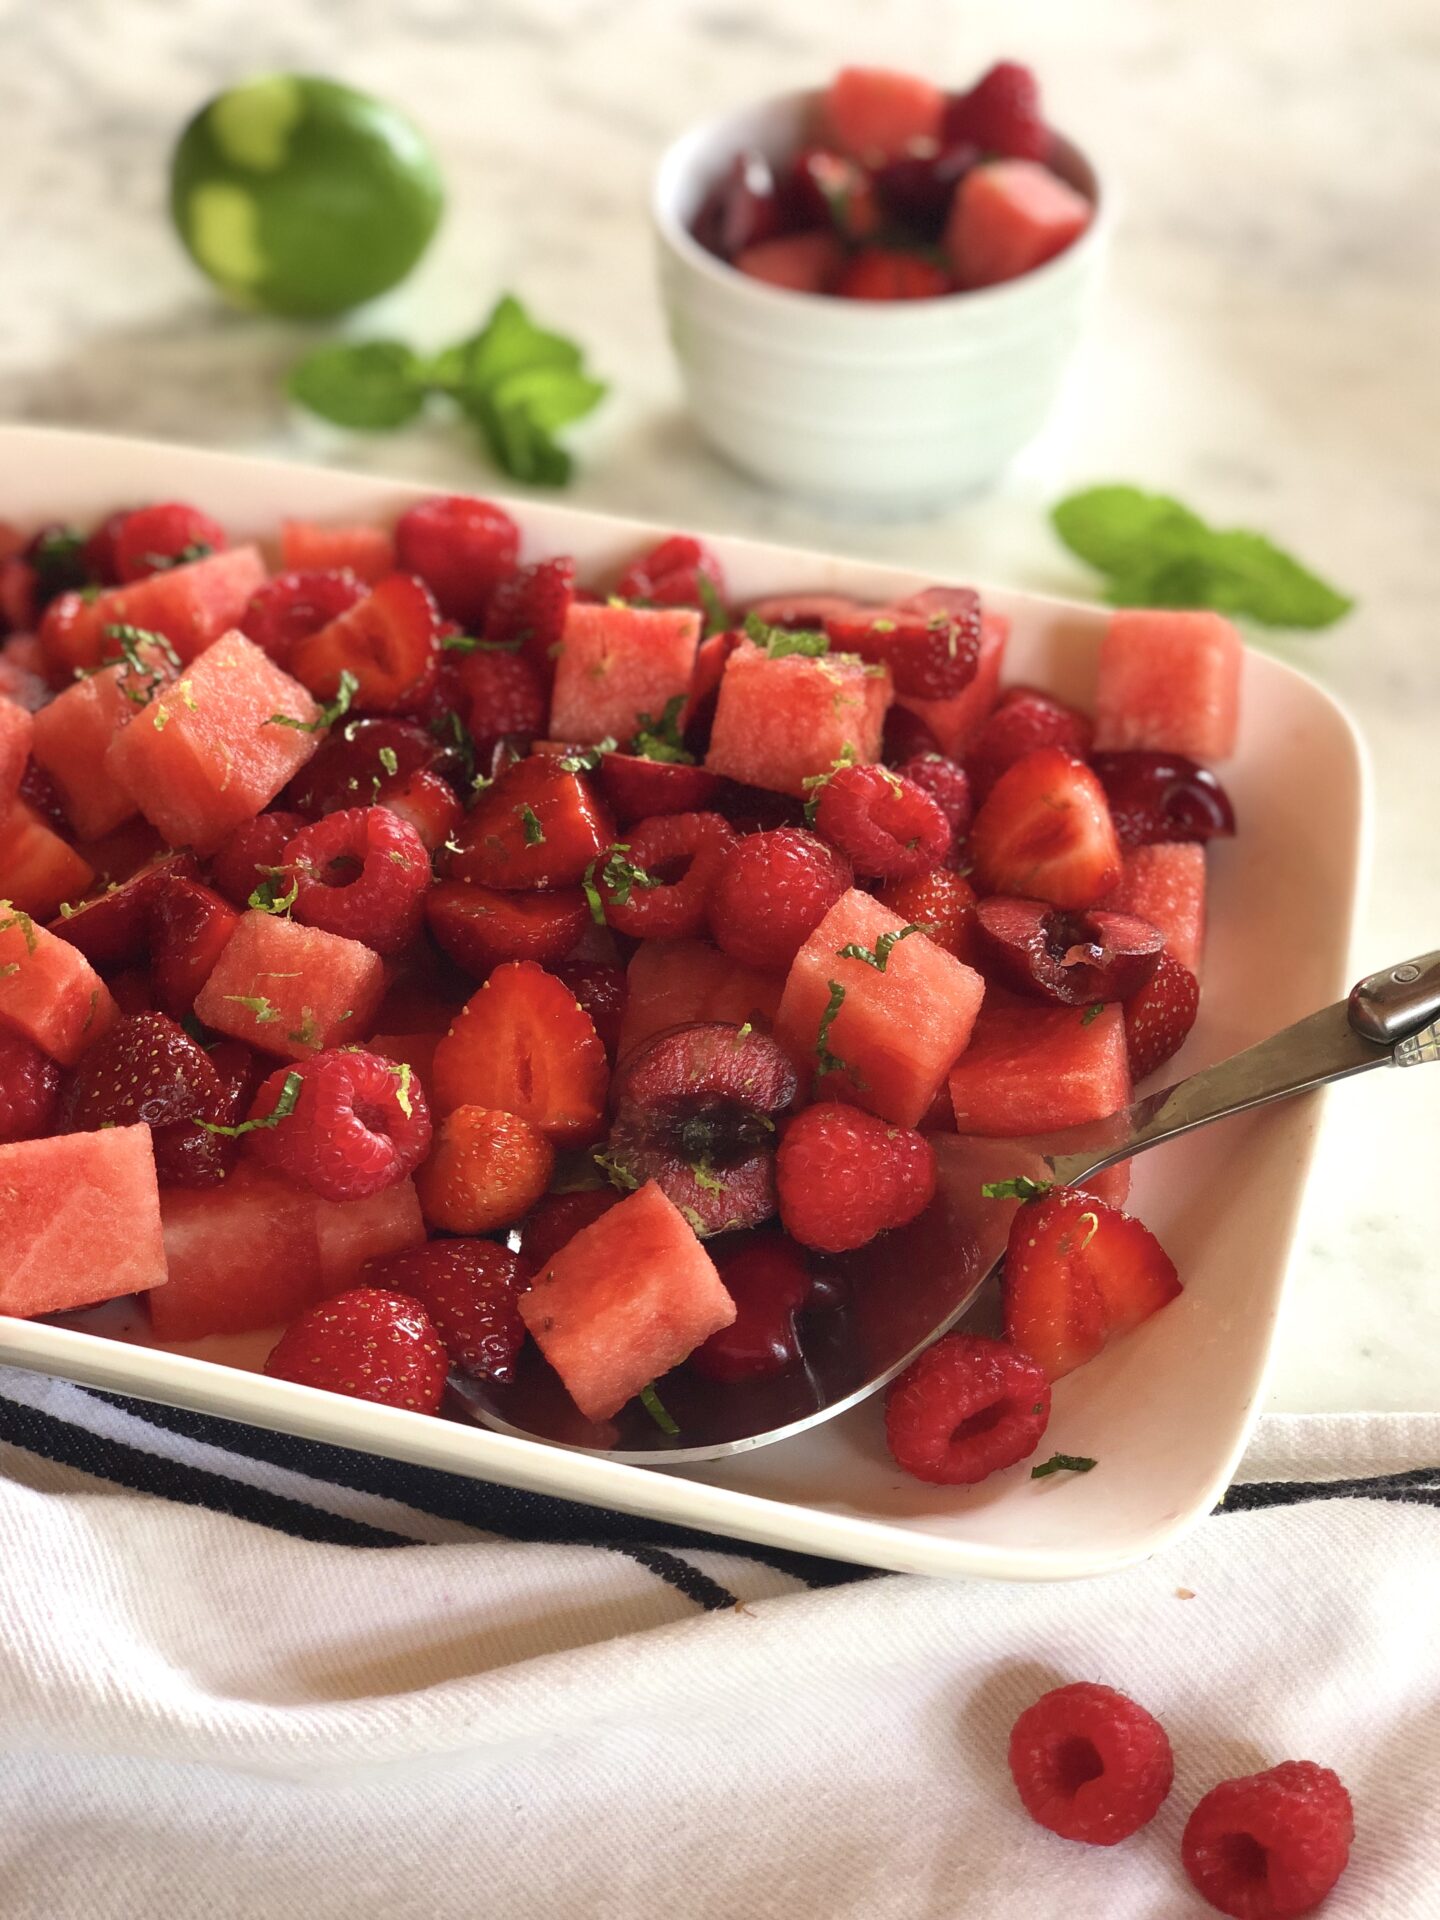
[680, 856]
[601, 990]
[1090, 1764]
[241, 862]
[462, 549]
[504, 697]
[486, 1170]
[367, 1343]
[146, 1068]
[1271, 1844]
[940, 901]
[355, 1124]
[528, 610]
[669, 574]
[555, 1220]
[153, 538]
[29, 1089]
[1023, 720]
[845, 1176]
[1159, 1017]
[772, 891]
[967, 1407]
[469, 1289]
[293, 605]
[947, 784]
[1001, 114]
[362, 873]
[887, 825]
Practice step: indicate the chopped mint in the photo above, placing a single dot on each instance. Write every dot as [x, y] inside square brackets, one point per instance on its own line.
[825, 1060]
[283, 1108]
[328, 715]
[706, 1178]
[1022, 1187]
[17, 917]
[262, 1008]
[615, 1171]
[1062, 1463]
[815, 784]
[619, 875]
[450, 728]
[717, 614]
[307, 1034]
[650, 1400]
[402, 1093]
[370, 386]
[164, 562]
[587, 759]
[472, 643]
[780, 641]
[389, 759]
[660, 739]
[267, 897]
[58, 557]
[530, 822]
[1092, 1013]
[884, 946]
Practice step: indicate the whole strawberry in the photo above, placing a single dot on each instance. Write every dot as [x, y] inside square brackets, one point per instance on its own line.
[367, 1343]
[469, 1288]
[148, 1069]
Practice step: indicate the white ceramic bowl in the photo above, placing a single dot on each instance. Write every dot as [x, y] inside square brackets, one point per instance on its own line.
[889, 408]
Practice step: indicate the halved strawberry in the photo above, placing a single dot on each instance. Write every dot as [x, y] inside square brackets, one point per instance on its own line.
[537, 826]
[699, 714]
[528, 610]
[1159, 1017]
[1077, 1274]
[113, 929]
[1045, 833]
[148, 1069]
[932, 654]
[602, 991]
[1024, 719]
[637, 788]
[190, 926]
[428, 802]
[481, 926]
[389, 641]
[524, 1045]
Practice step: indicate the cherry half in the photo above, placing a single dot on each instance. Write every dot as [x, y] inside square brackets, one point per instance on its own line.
[1072, 958]
[1162, 796]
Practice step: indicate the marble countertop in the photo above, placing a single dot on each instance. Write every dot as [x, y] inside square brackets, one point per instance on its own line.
[1266, 350]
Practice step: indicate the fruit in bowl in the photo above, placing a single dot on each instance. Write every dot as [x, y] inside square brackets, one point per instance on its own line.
[574, 1006]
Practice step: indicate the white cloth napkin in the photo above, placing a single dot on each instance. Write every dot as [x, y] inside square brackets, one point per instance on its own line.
[201, 1716]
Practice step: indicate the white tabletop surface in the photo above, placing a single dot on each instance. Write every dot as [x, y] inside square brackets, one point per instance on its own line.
[1267, 350]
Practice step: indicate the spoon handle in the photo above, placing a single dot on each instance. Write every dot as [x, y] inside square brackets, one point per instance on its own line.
[1389, 1019]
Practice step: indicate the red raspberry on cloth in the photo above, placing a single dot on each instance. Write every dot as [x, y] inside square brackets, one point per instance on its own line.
[967, 1407]
[772, 891]
[886, 825]
[1159, 1017]
[845, 1176]
[948, 785]
[1090, 1764]
[362, 873]
[349, 1124]
[366, 1343]
[469, 1288]
[657, 886]
[29, 1089]
[462, 549]
[1271, 1844]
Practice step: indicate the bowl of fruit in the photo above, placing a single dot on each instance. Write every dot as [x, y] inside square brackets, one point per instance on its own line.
[497, 985]
[874, 290]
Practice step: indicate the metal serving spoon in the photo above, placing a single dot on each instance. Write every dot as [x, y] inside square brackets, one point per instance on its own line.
[900, 1293]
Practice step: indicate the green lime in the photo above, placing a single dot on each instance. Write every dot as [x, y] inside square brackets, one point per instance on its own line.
[301, 196]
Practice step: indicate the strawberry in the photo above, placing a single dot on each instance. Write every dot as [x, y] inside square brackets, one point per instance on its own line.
[503, 695]
[190, 926]
[538, 825]
[891, 273]
[363, 762]
[528, 611]
[428, 803]
[146, 1068]
[699, 714]
[113, 928]
[1077, 1274]
[602, 991]
[1045, 833]
[153, 538]
[462, 549]
[636, 787]
[389, 642]
[669, 574]
[845, 1176]
[940, 901]
[1001, 114]
[524, 1045]
[29, 1088]
[366, 1343]
[469, 1289]
[292, 606]
[241, 863]
[487, 1167]
[101, 563]
[931, 654]
[1159, 1017]
[554, 1222]
[1024, 719]
[481, 926]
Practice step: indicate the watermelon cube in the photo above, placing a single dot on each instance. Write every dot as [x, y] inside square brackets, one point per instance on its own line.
[1009, 217]
[350, 1232]
[16, 726]
[780, 721]
[23, 670]
[79, 1221]
[1169, 681]
[956, 722]
[289, 989]
[210, 754]
[38, 869]
[670, 983]
[875, 114]
[191, 606]
[799, 262]
[1165, 884]
[48, 990]
[366, 551]
[897, 1029]
[241, 1256]
[624, 1301]
[618, 663]
[73, 735]
[1031, 1068]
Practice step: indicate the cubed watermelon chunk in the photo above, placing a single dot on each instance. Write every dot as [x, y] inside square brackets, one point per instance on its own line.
[779, 721]
[23, 671]
[48, 989]
[1034, 1069]
[366, 551]
[1165, 884]
[79, 1221]
[191, 605]
[617, 663]
[38, 869]
[209, 754]
[73, 735]
[670, 983]
[1170, 681]
[799, 262]
[898, 1029]
[350, 1232]
[956, 722]
[16, 726]
[1009, 217]
[241, 1256]
[624, 1301]
[876, 114]
[291, 990]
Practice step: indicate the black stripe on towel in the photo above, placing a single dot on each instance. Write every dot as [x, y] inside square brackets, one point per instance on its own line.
[1418, 1487]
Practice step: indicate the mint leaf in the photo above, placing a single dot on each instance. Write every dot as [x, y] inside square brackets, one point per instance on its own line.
[717, 614]
[660, 739]
[327, 716]
[267, 897]
[1062, 1463]
[530, 824]
[587, 759]
[1022, 1187]
[1271, 584]
[780, 641]
[825, 1060]
[1121, 529]
[884, 946]
[1092, 1012]
[370, 386]
[58, 557]
[283, 1108]
[509, 342]
[651, 1402]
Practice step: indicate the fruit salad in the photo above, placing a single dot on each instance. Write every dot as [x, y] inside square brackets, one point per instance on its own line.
[445, 963]
[902, 191]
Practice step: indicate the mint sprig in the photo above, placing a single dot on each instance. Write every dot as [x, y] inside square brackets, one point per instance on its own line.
[283, 1108]
[1022, 1187]
[884, 946]
[780, 641]
[661, 739]
[327, 716]
[1063, 1463]
[1157, 552]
